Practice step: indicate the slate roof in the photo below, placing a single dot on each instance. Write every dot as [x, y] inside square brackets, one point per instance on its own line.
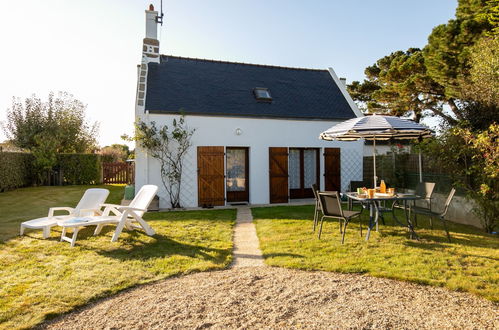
[207, 87]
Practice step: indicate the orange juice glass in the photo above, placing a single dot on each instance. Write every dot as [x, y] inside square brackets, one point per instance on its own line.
[370, 192]
[391, 191]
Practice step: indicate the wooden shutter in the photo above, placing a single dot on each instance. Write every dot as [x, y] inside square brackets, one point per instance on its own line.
[278, 174]
[211, 176]
[332, 169]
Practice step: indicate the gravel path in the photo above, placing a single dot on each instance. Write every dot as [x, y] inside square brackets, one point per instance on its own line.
[251, 295]
[267, 297]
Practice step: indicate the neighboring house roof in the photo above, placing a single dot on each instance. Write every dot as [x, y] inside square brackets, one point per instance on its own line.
[207, 87]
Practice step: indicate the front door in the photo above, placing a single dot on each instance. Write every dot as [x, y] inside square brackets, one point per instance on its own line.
[304, 171]
[211, 176]
[237, 183]
[278, 174]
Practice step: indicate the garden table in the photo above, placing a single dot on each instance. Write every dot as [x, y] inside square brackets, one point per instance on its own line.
[374, 205]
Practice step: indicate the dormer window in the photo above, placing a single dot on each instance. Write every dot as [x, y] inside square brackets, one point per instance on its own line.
[262, 94]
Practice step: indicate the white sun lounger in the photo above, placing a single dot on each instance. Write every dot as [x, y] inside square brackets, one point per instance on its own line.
[119, 215]
[88, 205]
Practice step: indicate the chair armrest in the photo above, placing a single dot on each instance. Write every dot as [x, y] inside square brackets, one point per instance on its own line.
[70, 210]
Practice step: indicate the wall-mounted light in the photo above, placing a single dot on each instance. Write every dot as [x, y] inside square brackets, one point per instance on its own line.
[238, 131]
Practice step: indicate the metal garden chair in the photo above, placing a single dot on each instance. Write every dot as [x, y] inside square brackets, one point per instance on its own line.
[317, 209]
[330, 204]
[431, 214]
[425, 190]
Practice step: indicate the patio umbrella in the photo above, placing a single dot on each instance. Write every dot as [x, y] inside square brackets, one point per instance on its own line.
[378, 127]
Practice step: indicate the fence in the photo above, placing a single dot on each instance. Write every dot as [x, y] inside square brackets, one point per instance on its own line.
[123, 172]
[402, 171]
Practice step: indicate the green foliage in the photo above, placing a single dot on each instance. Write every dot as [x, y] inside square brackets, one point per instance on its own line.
[80, 168]
[44, 152]
[420, 83]
[471, 158]
[484, 72]
[24, 169]
[481, 87]
[397, 85]
[60, 118]
[15, 170]
[169, 147]
[447, 54]
[115, 153]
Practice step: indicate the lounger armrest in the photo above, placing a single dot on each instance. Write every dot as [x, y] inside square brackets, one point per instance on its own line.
[70, 210]
[123, 207]
[96, 211]
[111, 205]
[108, 208]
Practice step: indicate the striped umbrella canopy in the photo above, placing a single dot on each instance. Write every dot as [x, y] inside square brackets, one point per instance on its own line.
[377, 127]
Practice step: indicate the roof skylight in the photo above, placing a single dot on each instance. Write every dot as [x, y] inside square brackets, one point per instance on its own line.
[262, 94]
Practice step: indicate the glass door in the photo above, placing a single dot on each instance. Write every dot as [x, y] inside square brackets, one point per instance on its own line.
[237, 184]
[303, 171]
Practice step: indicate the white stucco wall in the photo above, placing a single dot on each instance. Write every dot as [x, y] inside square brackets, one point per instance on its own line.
[258, 135]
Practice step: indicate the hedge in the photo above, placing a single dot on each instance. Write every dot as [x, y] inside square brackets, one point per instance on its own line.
[80, 168]
[15, 170]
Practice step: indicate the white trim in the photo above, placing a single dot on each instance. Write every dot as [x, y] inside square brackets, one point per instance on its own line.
[344, 91]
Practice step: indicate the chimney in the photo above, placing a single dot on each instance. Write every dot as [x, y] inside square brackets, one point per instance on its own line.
[150, 54]
[150, 48]
[344, 81]
[151, 28]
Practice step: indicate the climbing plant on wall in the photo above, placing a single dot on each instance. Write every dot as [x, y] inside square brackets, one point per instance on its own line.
[169, 145]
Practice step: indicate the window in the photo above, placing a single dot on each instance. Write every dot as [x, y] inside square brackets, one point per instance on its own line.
[262, 94]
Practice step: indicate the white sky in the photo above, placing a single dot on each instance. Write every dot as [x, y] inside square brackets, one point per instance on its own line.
[90, 48]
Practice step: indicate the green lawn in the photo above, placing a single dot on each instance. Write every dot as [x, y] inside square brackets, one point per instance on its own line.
[30, 203]
[42, 278]
[469, 263]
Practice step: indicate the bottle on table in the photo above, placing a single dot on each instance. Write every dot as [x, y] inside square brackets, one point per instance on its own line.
[382, 187]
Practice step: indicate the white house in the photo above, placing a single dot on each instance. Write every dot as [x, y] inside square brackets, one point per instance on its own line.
[257, 127]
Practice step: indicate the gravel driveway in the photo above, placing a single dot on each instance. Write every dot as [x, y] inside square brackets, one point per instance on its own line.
[267, 297]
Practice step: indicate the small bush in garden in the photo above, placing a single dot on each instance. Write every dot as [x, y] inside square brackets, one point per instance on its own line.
[15, 170]
[80, 168]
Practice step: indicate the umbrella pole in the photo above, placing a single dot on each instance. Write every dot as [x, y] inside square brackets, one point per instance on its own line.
[374, 161]
[420, 167]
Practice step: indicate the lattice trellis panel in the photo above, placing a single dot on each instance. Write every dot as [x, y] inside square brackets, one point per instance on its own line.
[351, 167]
[188, 192]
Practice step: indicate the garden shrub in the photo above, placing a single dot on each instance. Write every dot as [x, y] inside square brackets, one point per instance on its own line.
[80, 168]
[18, 169]
[15, 170]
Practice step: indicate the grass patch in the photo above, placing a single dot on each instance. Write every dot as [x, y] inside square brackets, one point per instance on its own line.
[43, 278]
[470, 263]
[34, 202]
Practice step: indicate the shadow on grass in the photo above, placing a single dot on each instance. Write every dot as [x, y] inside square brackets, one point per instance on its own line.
[439, 242]
[134, 248]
